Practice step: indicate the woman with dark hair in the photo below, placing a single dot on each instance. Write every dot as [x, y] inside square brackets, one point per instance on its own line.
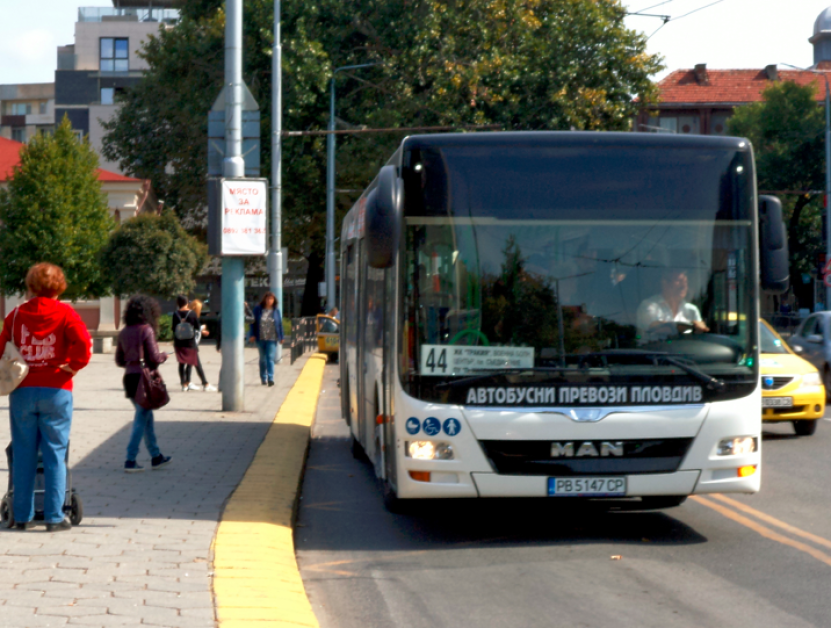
[267, 331]
[185, 323]
[136, 348]
[54, 341]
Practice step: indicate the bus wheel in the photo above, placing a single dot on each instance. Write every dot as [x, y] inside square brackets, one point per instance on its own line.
[805, 427]
[662, 501]
[392, 502]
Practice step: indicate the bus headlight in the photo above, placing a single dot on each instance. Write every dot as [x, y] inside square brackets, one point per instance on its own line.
[428, 450]
[737, 446]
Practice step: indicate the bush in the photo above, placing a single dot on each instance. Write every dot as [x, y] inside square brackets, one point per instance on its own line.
[165, 327]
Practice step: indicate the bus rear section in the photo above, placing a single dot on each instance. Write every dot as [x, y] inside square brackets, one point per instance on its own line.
[555, 315]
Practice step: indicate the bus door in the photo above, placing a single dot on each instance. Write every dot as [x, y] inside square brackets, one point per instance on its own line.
[360, 360]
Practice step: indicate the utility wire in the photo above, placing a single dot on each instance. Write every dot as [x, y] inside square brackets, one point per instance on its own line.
[639, 11]
[697, 10]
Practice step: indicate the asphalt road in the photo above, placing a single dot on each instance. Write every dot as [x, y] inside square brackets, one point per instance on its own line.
[740, 561]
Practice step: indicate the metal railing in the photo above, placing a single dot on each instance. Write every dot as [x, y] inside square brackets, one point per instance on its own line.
[303, 336]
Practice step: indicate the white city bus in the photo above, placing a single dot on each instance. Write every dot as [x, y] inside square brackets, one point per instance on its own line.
[558, 314]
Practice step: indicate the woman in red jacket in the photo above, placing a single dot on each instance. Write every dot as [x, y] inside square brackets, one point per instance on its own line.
[55, 344]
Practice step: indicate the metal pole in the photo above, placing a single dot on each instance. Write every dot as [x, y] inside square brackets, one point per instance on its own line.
[329, 258]
[827, 184]
[233, 268]
[330, 201]
[275, 255]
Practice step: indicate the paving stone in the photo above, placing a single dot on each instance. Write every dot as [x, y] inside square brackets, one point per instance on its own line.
[72, 611]
[104, 621]
[47, 587]
[183, 622]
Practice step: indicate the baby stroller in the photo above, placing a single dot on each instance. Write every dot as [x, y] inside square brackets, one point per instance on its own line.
[72, 504]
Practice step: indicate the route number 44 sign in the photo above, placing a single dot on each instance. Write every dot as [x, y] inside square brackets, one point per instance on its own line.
[238, 212]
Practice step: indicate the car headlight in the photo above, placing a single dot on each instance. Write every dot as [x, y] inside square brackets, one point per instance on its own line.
[811, 379]
[737, 446]
[428, 450]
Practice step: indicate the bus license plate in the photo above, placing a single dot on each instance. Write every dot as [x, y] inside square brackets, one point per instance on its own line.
[777, 402]
[587, 487]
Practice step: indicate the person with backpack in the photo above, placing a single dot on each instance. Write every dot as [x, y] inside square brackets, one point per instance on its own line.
[185, 323]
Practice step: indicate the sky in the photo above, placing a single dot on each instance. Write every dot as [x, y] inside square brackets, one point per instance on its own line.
[729, 34]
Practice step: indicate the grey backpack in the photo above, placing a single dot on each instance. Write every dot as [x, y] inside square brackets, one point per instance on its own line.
[184, 330]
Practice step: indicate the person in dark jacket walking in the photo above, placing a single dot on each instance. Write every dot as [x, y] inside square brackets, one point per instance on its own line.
[137, 347]
[267, 331]
[55, 343]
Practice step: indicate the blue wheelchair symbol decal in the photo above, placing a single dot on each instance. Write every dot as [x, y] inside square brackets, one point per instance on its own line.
[452, 427]
[413, 425]
[432, 426]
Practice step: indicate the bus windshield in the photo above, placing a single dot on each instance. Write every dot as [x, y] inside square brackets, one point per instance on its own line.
[537, 264]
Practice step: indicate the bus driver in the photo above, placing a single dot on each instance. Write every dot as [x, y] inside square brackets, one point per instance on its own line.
[670, 306]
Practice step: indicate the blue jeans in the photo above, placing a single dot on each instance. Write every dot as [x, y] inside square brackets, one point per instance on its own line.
[40, 418]
[268, 353]
[142, 426]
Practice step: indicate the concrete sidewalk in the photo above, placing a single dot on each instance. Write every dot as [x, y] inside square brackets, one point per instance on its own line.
[142, 554]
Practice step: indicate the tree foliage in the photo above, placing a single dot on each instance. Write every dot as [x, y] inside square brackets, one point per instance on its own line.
[54, 211]
[786, 130]
[153, 254]
[518, 64]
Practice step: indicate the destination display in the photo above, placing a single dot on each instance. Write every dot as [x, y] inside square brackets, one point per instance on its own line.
[462, 360]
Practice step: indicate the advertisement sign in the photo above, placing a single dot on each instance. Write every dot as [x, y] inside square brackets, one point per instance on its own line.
[243, 216]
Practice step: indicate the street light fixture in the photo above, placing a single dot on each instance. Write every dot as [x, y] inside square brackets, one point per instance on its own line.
[330, 188]
[827, 171]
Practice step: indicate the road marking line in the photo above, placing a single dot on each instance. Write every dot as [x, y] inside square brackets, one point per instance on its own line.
[253, 550]
[764, 531]
[774, 521]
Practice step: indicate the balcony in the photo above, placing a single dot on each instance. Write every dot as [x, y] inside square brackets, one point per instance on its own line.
[128, 14]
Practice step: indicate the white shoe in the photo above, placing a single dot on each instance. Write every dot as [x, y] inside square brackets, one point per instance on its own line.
[194, 387]
[184, 388]
[209, 388]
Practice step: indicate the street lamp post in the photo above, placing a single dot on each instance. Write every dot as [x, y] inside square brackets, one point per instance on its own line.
[330, 189]
[827, 173]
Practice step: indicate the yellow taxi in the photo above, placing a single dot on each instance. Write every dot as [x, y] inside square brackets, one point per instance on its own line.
[328, 335]
[792, 388]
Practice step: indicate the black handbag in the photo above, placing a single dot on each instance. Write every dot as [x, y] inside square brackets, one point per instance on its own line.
[151, 393]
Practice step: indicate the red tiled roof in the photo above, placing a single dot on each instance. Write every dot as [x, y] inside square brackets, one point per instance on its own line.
[728, 86]
[10, 157]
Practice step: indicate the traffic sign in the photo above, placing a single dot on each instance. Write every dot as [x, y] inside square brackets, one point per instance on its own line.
[826, 270]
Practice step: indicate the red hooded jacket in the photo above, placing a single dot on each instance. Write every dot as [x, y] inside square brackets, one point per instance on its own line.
[48, 333]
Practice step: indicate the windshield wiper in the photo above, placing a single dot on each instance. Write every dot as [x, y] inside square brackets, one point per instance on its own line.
[667, 358]
[478, 378]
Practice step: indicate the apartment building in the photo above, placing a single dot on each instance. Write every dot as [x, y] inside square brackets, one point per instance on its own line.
[103, 61]
[26, 109]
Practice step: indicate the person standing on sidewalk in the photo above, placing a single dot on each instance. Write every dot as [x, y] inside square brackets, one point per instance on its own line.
[267, 331]
[185, 323]
[201, 330]
[137, 347]
[55, 343]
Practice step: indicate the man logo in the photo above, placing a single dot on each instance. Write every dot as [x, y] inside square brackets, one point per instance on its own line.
[587, 449]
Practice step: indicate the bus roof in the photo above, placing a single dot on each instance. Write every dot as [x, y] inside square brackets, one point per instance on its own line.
[577, 138]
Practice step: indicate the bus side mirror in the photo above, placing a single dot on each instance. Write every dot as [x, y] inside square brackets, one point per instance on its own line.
[383, 219]
[773, 245]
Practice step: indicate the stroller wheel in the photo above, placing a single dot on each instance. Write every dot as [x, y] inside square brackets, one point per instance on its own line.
[6, 513]
[76, 512]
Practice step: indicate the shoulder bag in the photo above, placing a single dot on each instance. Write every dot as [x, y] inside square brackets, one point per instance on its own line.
[13, 368]
[151, 393]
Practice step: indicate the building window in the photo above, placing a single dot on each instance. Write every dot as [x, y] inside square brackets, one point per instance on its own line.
[718, 124]
[19, 135]
[79, 135]
[42, 108]
[115, 54]
[21, 108]
[107, 95]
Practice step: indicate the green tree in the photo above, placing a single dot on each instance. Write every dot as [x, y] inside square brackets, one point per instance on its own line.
[786, 130]
[54, 211]
[153, 254]
[519, 64]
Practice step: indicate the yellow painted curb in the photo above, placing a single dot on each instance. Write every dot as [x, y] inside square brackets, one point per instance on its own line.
[256, 581]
